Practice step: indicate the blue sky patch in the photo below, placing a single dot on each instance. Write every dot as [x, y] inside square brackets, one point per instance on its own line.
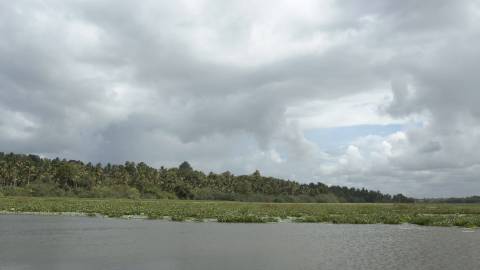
[332, 139]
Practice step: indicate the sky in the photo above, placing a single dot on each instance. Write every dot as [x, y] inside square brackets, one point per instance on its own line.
[378, 94]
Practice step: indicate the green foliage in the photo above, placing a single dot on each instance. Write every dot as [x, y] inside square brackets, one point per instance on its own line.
[183, 192]
[16, 191]
[241, 219]
[45, 190]
[472, 199]
[155, 192]
[116, 191]
[185, 168]
[464, 215]
[30, 175]
[178, 218]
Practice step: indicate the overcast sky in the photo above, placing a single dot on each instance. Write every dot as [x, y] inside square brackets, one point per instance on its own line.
[377, 94]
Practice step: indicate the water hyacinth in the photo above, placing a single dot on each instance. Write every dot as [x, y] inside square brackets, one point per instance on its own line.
[464, 215]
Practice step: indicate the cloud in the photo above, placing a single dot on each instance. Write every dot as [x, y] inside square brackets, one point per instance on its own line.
[237, 85]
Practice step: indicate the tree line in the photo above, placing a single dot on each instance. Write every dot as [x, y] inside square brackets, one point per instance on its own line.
[31, 175]
[471, 199]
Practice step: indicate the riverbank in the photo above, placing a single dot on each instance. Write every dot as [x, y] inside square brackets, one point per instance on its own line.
[463, 215]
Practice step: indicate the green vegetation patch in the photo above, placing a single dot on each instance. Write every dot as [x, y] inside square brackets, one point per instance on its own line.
[464, 215]
[31, 175]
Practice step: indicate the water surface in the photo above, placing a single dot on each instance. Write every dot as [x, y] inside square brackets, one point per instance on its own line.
[60, 242]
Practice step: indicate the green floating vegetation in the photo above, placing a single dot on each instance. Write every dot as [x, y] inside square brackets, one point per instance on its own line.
[246, 219]
[426, 214]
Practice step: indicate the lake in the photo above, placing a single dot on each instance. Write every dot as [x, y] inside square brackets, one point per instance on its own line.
[63, 242]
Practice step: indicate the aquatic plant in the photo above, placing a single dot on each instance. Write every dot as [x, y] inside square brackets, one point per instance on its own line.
[464, 215]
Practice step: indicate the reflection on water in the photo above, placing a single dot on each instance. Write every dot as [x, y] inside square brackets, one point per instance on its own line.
[59, 242]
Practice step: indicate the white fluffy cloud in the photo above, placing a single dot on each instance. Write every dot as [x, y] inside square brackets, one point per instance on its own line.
[236, 85]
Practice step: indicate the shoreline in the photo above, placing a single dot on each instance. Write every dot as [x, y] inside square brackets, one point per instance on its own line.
[141, 217]
[290, 220]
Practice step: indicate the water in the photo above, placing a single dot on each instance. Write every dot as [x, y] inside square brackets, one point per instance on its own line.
[59, 242]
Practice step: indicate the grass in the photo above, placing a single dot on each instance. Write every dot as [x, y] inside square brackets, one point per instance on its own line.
[464, 215]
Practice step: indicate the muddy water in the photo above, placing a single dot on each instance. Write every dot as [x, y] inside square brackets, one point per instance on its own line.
[60, 242]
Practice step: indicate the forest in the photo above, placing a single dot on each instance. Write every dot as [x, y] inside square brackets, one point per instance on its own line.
[31, 175]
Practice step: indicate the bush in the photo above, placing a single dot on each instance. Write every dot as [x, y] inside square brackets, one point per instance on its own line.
[155, 192]
[83, 193]
[116, 191]
[15, 191]
[183, 192]
[166, 195]
[208, 194]
[45, 190]
[326, 198]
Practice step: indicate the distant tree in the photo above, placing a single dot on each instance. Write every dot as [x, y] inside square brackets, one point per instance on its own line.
[183, 192]
[401, 198]
[185, 167]
[34, 175]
